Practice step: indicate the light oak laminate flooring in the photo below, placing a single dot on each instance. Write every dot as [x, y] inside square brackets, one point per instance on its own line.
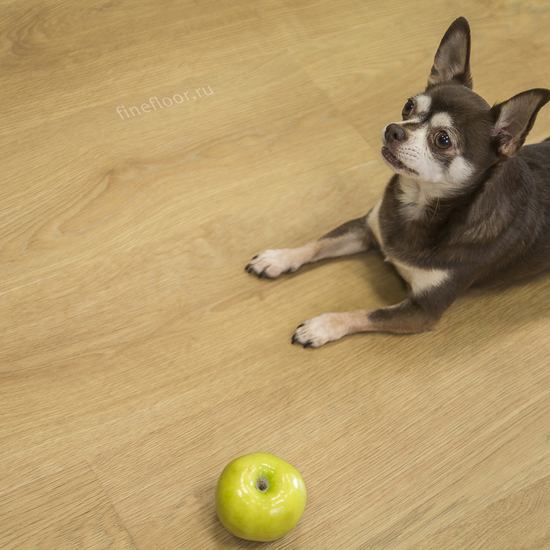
[137, 357]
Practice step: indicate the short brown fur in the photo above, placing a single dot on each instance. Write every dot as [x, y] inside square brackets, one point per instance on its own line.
[487, 223]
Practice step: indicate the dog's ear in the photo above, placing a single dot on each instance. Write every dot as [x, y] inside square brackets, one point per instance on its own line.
[452, 60]
[515, 118]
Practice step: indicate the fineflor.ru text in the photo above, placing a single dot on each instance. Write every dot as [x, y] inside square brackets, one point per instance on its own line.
[155, 104]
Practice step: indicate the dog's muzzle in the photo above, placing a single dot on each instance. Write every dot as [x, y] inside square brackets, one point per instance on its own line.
[394, 132]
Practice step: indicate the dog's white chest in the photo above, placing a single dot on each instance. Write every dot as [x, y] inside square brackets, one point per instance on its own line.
[419, 279]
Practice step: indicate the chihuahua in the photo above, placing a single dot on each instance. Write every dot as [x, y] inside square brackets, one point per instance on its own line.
[467, 205]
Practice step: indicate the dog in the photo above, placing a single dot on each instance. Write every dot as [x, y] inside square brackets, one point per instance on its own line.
[468, 205]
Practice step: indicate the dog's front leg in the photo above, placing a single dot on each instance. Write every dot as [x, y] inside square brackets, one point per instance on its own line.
[349, 238]
[417, 313]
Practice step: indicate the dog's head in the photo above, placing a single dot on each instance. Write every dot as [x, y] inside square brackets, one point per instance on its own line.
[449, 136]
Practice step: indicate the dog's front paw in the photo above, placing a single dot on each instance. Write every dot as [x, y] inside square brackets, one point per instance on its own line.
[319, 330]
[272, 263]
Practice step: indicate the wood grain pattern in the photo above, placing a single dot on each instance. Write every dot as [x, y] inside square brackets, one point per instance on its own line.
[62, 511]
[137, 357]
[518, 521]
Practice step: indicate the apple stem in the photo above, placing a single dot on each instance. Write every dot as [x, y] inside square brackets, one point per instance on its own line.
[262, 484]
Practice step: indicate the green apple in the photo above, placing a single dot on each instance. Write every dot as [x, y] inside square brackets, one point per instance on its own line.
[260, 497]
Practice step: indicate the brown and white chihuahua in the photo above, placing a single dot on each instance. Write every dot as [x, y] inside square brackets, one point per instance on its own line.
[467, 205]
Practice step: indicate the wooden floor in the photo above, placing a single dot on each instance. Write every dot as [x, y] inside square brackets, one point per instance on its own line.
[149, 150]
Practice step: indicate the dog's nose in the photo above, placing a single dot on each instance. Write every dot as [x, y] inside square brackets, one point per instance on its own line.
[394, 132]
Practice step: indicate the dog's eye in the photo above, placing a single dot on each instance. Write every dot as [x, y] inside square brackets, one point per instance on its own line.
[442, 140]
[409, 106]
